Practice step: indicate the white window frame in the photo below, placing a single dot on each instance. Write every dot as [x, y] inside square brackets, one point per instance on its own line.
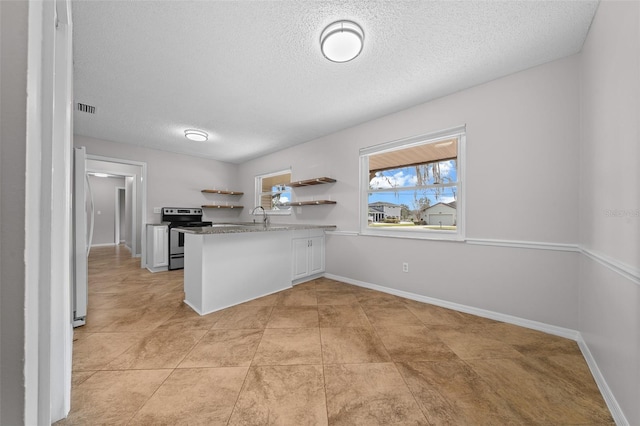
[457, 235]
[258, 194]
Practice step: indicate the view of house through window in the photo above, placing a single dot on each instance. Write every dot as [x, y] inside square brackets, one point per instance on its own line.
[414, 186]
[273, 192]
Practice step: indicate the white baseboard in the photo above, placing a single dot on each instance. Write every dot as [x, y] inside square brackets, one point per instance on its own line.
[233, 304]
[308, 278]
[609, 399]
[103, 245]
[535, 325]
[612, 403]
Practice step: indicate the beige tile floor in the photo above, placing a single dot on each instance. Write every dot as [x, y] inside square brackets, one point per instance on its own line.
[321, 353]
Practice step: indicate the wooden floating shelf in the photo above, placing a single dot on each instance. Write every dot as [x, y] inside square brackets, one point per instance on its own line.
[220, 191]
[217, 206]
[310, 203]
[309, 182]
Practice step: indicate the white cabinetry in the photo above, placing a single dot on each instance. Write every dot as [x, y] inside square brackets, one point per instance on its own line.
[157, 248]
[307, 255]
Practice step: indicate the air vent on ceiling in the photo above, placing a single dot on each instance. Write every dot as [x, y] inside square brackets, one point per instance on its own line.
[86, 108]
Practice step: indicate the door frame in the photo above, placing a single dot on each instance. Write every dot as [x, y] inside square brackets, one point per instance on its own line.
[139, 212]
[117, 215]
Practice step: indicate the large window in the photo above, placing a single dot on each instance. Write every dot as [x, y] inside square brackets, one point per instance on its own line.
[413, 187]
[273, 192]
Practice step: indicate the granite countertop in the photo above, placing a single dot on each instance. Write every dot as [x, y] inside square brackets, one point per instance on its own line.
[234, 228]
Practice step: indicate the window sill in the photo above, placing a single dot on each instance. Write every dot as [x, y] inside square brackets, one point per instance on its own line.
[414, 234]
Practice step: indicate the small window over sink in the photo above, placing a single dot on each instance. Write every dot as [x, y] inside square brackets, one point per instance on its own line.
[273, 192]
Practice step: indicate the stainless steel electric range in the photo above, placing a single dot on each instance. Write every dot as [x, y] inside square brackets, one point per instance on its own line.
[180, 217]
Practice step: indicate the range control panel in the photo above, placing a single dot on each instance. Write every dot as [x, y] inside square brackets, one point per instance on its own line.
[180, 210]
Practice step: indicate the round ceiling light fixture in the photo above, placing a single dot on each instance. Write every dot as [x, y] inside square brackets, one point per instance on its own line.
[342, 41]
[196, 135]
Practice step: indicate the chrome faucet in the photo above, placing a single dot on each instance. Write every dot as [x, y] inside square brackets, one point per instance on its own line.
[265, 218]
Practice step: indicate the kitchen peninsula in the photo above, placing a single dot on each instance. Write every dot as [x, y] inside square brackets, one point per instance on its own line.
[228, 264]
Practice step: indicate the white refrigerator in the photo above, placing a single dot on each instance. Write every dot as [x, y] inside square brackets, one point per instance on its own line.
[83, 213]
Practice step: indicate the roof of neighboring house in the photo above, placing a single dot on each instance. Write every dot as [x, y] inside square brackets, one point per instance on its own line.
[383, 203]
[452, 204]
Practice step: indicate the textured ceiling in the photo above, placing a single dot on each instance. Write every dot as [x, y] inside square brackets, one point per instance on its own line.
[251, 74]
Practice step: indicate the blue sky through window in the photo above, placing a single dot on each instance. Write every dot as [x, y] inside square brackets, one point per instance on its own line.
[398, 181]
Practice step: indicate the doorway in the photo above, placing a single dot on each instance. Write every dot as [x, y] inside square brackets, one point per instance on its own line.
[134, 189]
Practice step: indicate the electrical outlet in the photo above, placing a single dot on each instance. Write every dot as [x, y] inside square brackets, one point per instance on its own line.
[157, 209]
[405, 267]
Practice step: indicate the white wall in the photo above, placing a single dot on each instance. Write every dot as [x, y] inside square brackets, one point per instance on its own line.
[104, 197]
[610, 199]
[13, 86]
[173, 180]
[522, 141]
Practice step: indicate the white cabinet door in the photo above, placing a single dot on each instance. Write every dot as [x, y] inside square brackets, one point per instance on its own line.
[316, 255]
[307, 254]
[157, 248]
[300, 247]
[160, 246]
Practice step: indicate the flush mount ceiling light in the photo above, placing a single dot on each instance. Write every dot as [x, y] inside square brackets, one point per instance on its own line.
[196, 135]
[342, 41]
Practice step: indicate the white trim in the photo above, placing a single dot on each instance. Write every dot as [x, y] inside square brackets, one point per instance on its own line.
[115, 160]
[534, 245]
[307, 279]
[607, 394]
[616, 266]
[37, 248]
[615, 409]
[235, 304]
[48, 331]
[621, 268]
[459, 133]
[344, 233]
[413, 140]
[414, 234]
[117, 215]
[104, 245]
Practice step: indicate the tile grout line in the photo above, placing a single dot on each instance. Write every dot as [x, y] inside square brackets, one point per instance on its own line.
[246, 375]
[395, 363]
[324, 373]
[196, 343]
[150, 396]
